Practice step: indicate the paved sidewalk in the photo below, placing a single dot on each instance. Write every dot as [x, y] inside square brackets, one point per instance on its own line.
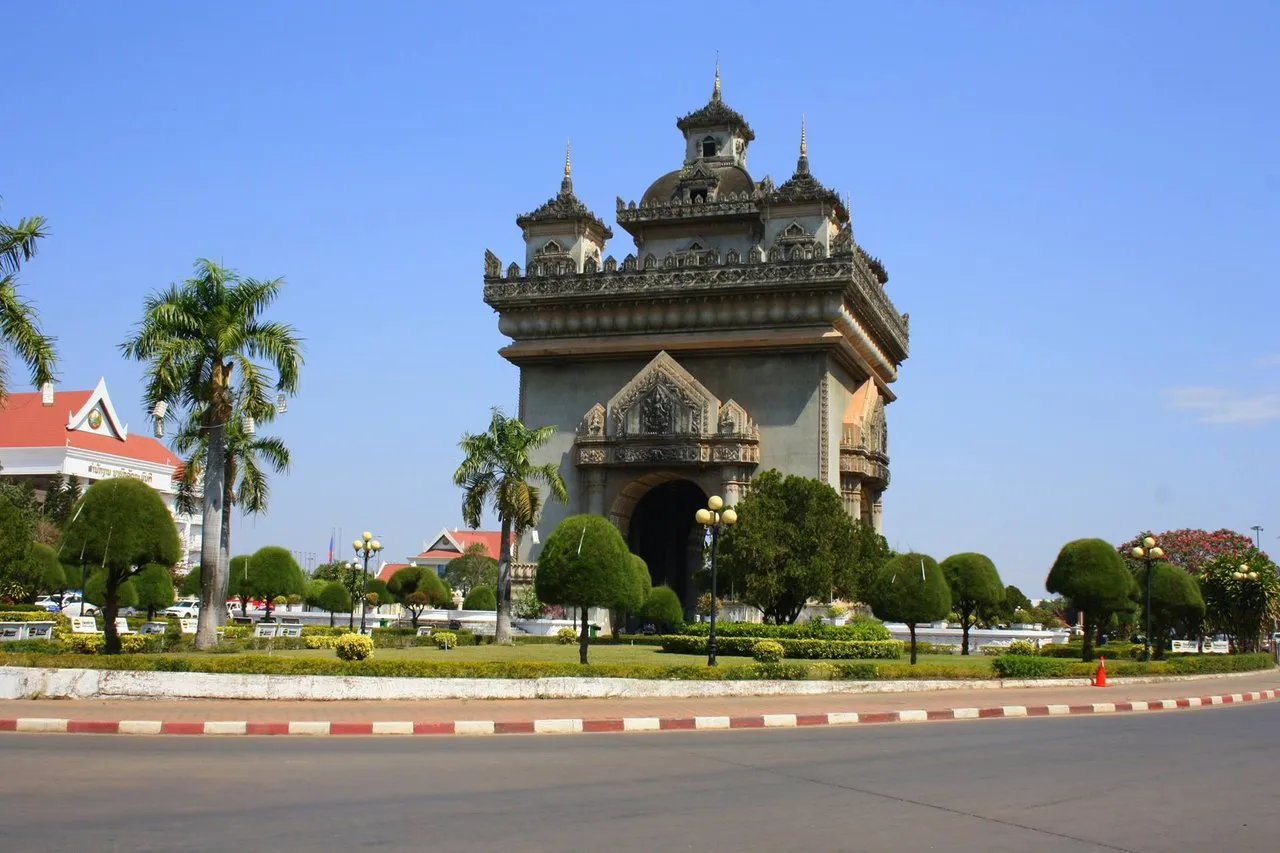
[512, 716]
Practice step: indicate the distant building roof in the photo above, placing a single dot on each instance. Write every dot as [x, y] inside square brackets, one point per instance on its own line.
[85, 420]
[453, 543]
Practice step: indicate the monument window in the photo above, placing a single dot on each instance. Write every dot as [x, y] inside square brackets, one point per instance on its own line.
[698, 195]
[709, 147]
[552, 246]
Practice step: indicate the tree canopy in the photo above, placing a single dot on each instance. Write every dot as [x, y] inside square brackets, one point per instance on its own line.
[793, 541]
[19, 323]
[1092, 574]
[498, 471]
[123, 526]
[663, 609]
[273, 572]
[584, 563]
[975, 584]
[153, 587]
[417, 588]
[1189, 549]
[480, 598]
[1175, 602]
[1241, 592]
[205, 342]
[910, 588]
[474, 568]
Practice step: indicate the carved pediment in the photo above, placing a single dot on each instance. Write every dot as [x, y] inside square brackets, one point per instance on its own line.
[662, 399]
[592, 426]
[734, 420]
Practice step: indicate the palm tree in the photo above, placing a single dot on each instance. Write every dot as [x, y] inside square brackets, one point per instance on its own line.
[19, 323]
[245, 458]
[496, 471]
[197, 338]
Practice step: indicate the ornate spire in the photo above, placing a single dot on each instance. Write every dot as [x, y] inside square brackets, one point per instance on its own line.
[715, 90]
[566, 185]
[802, 165]
[716, 113]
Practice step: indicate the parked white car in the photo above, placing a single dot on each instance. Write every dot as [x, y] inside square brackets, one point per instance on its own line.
[71, 603]
[184, 608]
[48, 602]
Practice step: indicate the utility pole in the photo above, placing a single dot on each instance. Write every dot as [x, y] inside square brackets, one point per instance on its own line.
[1257, 533]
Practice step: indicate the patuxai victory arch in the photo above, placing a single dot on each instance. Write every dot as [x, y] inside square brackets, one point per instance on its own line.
[746, 331]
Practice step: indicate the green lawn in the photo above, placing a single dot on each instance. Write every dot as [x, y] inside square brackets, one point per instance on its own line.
[600, 654]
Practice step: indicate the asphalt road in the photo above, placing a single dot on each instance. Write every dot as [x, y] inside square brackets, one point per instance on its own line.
[1179, 780]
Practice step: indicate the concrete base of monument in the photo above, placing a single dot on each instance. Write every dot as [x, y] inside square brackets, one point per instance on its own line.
[39, 683]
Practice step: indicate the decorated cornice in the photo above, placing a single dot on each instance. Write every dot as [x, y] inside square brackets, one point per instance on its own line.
[780, 292]
[729, 205]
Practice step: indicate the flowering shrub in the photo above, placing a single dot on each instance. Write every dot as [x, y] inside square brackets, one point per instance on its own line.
[566, 636]
[767, 651]
[1191, 549]
[85, 644]
[444, 639]
[353, 647]
[317, 642]
[1020, 647]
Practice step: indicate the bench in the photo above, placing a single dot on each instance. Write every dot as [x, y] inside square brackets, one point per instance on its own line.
[39, 631]
[12, 631]
[153, 628]
[289, 629]
[122, 626]
[266, 629]
[187, 626]
[84, 625]
[424, 631]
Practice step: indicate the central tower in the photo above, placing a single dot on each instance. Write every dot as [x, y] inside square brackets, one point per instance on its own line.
[747, 330]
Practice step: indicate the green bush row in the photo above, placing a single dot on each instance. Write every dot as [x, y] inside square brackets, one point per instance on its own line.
[811, 649]
[1111, 651]
[859, 630]
[1025, 666]
[36, 615]
[19, 608]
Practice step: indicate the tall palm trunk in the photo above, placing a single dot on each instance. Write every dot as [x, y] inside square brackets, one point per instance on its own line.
[224, 541]
[212, 580]
[502, 631]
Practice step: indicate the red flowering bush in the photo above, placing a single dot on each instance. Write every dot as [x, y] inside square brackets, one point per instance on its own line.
[1191, 550]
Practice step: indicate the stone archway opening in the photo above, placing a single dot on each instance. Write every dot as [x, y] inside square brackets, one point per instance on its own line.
[661, 529]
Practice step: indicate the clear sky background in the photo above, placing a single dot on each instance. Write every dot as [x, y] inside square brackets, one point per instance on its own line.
[1078, 203]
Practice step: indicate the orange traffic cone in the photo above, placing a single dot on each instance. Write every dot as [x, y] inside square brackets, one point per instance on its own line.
[1100, 678]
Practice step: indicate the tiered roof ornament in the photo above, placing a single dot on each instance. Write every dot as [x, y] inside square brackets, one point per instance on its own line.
[564, 206]
[716, 114]
[804, 187]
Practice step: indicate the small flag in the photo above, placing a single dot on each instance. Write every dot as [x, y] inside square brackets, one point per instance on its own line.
[330, 547]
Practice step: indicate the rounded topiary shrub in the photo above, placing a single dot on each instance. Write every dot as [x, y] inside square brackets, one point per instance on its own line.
[85, 644]
[767, 651]
[444, 639]
[1020, 647]
[566, 636]
[481, 598]
[354, 647]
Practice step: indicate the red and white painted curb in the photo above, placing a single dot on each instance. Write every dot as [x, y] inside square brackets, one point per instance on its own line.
[623, 724]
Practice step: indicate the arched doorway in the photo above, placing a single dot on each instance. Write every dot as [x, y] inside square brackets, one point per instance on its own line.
[662, 531]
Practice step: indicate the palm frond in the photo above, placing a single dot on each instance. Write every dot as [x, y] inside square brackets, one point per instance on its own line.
[20, 332]
[18, 242]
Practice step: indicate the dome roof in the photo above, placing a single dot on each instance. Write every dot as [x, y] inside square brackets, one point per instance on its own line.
[731, 179]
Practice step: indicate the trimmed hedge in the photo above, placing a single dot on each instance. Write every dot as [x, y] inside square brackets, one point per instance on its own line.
[862, 630]
[1111, 651]
[1006, 666]
[19, 608]
[1025, 666]
[36, 615]
[811, 649]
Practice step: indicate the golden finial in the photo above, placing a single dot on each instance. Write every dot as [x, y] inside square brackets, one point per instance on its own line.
[715, 92]
[567, 166]
[804, 146]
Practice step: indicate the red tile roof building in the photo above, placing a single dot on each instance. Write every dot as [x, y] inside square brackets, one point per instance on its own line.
[78, 433]
[447, 545]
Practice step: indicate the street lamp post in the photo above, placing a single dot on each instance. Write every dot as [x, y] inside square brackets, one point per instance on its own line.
[1257, 535]
[1243, 573]
[1148, 552]
[366, 546]
[716, 518]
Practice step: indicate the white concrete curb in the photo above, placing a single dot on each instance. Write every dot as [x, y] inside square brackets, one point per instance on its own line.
[52, 683]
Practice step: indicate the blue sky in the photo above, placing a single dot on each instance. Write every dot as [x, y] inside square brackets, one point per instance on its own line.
[1078, 203]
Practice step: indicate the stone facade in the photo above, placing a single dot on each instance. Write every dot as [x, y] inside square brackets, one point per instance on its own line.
[747, 330]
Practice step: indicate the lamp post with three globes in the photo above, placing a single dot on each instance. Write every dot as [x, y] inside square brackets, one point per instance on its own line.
[1149, 552]
[715, 517]
[366, 546]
